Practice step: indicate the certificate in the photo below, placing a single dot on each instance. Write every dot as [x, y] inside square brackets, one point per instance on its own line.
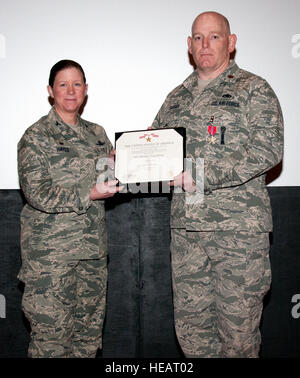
[149, 155]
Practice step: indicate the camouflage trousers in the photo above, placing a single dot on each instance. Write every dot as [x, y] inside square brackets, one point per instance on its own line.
[66, 309]
[219, 281]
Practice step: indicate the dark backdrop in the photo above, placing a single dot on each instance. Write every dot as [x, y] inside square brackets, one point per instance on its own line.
[139, 319]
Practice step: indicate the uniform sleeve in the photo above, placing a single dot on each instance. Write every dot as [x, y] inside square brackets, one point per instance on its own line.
[109, 146]
[37, 184]
[158, 120]
[103, 166]
[263, 150]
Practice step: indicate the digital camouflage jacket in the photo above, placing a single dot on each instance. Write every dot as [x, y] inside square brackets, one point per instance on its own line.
[235, 125]
[57, 170]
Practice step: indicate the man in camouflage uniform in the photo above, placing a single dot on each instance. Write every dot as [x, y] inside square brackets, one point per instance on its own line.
[220, 246]
[63, 239]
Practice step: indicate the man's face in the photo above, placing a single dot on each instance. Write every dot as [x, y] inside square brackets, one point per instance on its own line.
[211, 45]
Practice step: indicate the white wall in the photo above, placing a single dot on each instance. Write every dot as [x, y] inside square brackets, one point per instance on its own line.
[134, 52]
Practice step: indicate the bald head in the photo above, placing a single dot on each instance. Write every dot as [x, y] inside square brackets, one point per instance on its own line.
[217, 16]
[211, 44]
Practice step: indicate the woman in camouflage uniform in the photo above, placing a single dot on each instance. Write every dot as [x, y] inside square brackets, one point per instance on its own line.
[63, 234]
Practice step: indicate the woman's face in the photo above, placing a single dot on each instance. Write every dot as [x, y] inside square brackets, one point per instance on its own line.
[68, 91]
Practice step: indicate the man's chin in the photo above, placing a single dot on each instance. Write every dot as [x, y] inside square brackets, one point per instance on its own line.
[206, 63]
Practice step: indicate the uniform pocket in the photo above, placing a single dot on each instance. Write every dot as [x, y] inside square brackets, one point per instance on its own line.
[48, 301]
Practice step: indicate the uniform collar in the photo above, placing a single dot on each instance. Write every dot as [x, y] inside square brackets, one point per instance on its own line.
[55, 119]
[61, 127]
[86, 130]
[191, 83]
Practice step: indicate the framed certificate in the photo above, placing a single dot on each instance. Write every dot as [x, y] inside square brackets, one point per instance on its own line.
[154, 155]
